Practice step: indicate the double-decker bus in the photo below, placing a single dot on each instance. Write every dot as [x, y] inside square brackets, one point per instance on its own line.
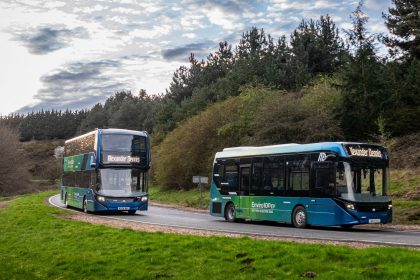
[106, 170]
[323, 184]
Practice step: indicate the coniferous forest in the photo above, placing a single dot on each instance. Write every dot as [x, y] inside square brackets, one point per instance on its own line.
[319, 83]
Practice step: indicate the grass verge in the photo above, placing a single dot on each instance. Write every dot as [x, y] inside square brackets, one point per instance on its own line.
[405, 193]
[36, 243]
[191, 198]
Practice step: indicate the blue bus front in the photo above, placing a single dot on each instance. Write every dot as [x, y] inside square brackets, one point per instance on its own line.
[107, 170]
[122, 164]
[350, 189]
[119, 189]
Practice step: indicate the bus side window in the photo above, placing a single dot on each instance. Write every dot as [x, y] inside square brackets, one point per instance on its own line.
[85, 179]
[218, 173]
[324, 173]
[230, 182]
[298, 173]
[92, 180]
[273, 176]
[257, 175]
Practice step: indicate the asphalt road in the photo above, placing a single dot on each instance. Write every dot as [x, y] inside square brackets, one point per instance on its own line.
[186, 219]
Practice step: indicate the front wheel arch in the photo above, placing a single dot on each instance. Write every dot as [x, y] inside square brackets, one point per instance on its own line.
[66, 202]
[84, 205]
[230, 212]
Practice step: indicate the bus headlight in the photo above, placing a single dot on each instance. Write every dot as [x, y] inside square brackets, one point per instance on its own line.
[350, 206]
[389, 206]
[100, 198]
[144, 198]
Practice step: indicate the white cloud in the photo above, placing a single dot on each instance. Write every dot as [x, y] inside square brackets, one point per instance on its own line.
[306, 5]
[90, 10]
[189, 35]
[150, 7]
[190, 22]
[118, 19]
[219, 17]
[153, 33]
[55, 4]
[126, 11]
[20, 79]
[377, 27]
[373, 4]
[346, 25]
[136, 33]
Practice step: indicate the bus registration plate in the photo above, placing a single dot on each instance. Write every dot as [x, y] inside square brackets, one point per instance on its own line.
[123, 208]
[374, 221]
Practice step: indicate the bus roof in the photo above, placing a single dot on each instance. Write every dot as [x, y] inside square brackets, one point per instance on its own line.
[110, 131]
[286, 149]
[123, 131]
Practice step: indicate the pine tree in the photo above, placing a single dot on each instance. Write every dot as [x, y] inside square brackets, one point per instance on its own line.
[363, 84]
[403, 21]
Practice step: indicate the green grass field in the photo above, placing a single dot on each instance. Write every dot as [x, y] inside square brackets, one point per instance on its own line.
[189, 198]
[36, 242]
[405, 193]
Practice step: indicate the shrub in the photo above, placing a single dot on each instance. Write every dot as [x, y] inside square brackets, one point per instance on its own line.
[14, 176]
[189, 149]
[286, 118]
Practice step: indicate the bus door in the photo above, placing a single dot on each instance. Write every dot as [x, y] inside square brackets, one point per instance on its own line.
[321, 207]
[244, 185]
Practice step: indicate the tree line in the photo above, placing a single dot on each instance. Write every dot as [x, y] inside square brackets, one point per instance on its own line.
[318, 84]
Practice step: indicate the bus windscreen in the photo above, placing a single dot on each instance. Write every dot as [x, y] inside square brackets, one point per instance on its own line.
[133, 144]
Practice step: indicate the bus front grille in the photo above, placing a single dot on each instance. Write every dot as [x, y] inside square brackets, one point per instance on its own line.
[119, 199]
[371, 208]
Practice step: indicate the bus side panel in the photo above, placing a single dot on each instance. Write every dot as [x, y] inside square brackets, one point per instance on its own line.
[75, 196]
[216, 207]
[325, 212]
[279, 209]
[218, 202]
[267, 208]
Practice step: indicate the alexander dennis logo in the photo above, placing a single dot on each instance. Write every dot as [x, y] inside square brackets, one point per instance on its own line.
[123, 159]
[361, 152]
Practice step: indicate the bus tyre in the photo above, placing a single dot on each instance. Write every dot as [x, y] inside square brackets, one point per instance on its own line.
[230, 213]
[131, 212]
[84, 207]
[299, 217]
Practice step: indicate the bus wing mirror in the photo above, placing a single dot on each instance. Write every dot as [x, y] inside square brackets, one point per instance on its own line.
[93, 161]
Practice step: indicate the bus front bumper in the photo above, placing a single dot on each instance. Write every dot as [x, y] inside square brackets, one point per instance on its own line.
[128, 206]
[359, 218]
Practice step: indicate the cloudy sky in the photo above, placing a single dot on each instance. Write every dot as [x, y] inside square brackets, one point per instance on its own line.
[73, 54]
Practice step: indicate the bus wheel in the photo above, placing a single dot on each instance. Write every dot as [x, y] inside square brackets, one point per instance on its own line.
[131, 212]
[84, 207]
[66, 203]
[299, 217]
[230, 213]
